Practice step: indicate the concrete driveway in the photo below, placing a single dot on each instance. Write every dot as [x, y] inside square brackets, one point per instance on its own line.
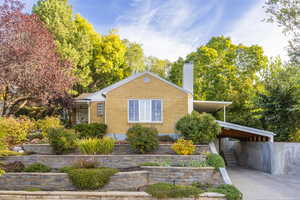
[256, 185]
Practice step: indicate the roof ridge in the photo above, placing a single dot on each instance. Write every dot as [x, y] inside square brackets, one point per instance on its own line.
[132, 77]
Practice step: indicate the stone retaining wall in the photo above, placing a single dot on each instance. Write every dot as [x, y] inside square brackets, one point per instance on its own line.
[114, 161]
[183, 175]
[46, 149]
[121, 181]
[21, 195]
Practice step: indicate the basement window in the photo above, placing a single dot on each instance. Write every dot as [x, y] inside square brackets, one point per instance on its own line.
[145, 110]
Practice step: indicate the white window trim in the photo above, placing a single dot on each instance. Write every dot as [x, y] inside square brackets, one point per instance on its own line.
[152, 122]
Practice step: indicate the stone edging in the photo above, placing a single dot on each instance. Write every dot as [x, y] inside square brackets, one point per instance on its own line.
[110, 195]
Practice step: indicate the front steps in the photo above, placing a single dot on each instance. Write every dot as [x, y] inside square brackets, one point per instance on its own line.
[230, 159]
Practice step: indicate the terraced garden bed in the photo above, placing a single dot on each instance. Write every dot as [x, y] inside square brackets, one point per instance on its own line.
[119, 149]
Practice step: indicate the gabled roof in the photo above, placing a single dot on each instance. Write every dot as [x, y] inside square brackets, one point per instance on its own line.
[245, 129]
[99, 96]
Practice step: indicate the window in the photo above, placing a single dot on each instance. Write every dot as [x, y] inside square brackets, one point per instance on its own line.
[144, 110]
[100, 109]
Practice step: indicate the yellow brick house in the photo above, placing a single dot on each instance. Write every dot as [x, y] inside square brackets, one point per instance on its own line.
[143, 98]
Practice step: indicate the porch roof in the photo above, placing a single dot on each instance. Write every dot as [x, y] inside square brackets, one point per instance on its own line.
[84, 97]
[210, 106]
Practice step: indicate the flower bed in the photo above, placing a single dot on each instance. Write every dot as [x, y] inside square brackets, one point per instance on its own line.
[119, 149]
[113, 161]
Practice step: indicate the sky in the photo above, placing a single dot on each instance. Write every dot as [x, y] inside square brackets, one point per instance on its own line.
[169, 29]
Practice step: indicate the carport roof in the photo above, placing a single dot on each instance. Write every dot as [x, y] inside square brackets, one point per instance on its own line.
[210, 106]
[246, 129]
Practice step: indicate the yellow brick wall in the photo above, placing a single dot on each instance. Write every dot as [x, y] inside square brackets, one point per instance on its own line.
[175, 104]
[93, 113]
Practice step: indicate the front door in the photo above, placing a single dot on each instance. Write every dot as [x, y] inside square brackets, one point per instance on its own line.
[82, 114]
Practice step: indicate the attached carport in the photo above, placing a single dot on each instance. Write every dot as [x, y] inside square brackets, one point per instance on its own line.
[231, 130]
[244, 133]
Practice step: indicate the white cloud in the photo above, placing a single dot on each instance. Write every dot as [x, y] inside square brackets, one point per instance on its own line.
[171, 29]
[250, 29]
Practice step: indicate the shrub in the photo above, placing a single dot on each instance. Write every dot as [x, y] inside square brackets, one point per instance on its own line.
[14, 131]
[165, 138]
[90, 130]
[200, 128]
[91, 179]
[62, 140]
[85, 164]
[215, 160]
[2, 172]
[166, 190]
[183, 147]
[16, 166]
[9, 153]
[46, 123]
[96, 146]
[66, 169]
[231, 192]
[142, 139]
[37, 167]
[106, 146]
[198, 164]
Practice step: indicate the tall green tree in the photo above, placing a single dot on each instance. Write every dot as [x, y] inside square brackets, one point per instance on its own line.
[279, 103]
[108, 64]
[134, 56]
[99, 60]
[158, 66]
[224, 71]
[176, 73]
[286, 13]
[72, 41]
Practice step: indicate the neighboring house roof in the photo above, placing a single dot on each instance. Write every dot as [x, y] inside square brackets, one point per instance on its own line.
[247, 129]
[100, 95]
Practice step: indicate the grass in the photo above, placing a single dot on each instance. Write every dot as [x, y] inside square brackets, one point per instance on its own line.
[166, 190]
[33, 189]
[231, 192]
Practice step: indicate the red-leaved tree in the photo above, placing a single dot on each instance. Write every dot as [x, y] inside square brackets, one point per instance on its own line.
[30, 68]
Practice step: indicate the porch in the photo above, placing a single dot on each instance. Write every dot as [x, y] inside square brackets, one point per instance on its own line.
[87, 111]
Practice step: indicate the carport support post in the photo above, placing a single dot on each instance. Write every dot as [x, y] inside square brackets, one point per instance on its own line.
[224, 108]
[220, 145]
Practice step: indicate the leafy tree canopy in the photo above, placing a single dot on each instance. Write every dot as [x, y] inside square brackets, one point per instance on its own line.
[31, 71]
[226, 72]
[286, 13]
[278, 104]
